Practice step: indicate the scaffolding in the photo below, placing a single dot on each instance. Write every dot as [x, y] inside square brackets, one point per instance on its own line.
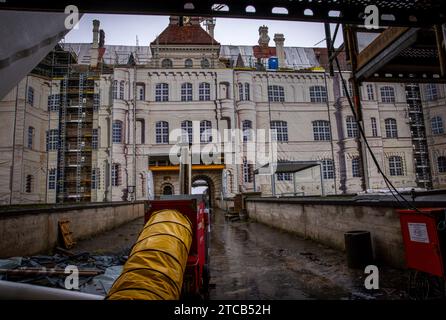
[418, 132]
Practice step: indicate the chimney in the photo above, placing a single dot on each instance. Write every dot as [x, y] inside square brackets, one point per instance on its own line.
[210, 25]
[264, 38]
[96, 24]
[279, 39]
[94, 50]
[101, 38]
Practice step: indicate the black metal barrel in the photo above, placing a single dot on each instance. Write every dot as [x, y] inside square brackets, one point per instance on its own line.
[358, 245]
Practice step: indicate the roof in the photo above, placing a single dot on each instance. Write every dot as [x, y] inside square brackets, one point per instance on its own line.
[297, 58]
[184, 35]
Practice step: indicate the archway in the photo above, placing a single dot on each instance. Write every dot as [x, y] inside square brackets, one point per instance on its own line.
[203, 185]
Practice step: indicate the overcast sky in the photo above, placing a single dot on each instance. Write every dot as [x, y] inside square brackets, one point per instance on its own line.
[123, 29]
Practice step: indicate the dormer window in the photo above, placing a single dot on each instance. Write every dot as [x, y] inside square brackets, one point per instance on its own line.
[188, 63]
[166, 63]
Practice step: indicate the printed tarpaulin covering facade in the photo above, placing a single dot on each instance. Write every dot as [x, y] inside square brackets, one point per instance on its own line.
[156, 264]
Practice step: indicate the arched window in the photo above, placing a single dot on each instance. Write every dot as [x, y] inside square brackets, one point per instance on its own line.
[441, 162]
[391, 128]
[244, 94]
[52, 177]
[352, 127]
[161, 92]
[396, 166]
[30, 96]
[166, 63]
[162, 132]
[279, 131]
[328, 169]
[437, 125]
[318, 94]
[321, 130]
[115, 89]
[276, 94]
[205, 63]
[205, 131]
[121, 90]
[247, 130]
[186, 92]
[356, 167]
[186, 131]
[117, 131]
[204, 91]
[370, 92]
[387, 94]
[188, 63]
[141, 91]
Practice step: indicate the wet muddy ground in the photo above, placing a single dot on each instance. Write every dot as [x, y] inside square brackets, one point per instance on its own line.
[250, 260]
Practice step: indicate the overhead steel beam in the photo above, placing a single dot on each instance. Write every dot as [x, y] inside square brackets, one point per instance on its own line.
[392, 12]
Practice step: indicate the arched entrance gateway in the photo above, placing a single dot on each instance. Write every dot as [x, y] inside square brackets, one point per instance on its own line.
[203, 184]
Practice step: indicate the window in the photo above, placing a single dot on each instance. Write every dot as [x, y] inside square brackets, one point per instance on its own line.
[116, 174]
[121, 90]
[388, 94]
[186, 131]
[162, 92]
[247, 172]
[321, 130]
[437, 125]
[327, 169]
[52, 179]
[284, 176]
[370, 92]
[356, 167]
[244, 93]
[441, 161]
[396, 166]
[94, 139]
[374, 127]
[117, 131]
[205, 131]
[29, 183]
[205, 63]
[141, 92]
[350, 89]
[318, 94]
[204, 91]
[188, 63]
[96, 101]
[279, 131]
[168, 190]
[431, 92]
[162, 132]
[186, 92]
[31, 132]
[95, 178]
[166, 63]
[247, 127]
[53, 102]
[276, 94]
[52, 140]
[115, 89]
[391, 128]
[30, 96]
[247, 92]
[352, 127]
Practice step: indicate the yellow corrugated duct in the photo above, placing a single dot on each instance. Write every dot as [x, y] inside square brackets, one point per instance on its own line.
[156, 264]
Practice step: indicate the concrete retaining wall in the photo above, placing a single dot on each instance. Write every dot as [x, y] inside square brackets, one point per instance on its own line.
[327, 223]
[30, 232]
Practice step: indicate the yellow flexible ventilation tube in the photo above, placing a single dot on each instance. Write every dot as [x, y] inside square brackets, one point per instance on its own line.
[156, 264]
